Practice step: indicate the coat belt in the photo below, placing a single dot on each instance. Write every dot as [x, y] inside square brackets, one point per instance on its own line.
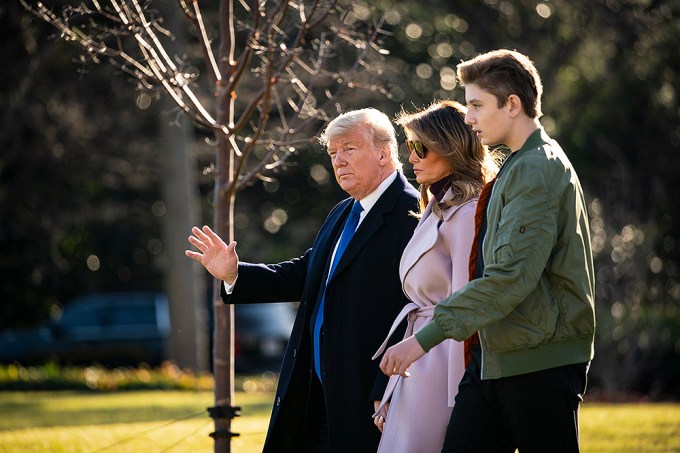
[411, 312]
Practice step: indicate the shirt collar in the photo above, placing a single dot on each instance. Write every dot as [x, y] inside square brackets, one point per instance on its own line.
[372, 198]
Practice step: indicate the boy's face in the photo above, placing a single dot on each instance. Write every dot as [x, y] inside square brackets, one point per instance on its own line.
[490, 123]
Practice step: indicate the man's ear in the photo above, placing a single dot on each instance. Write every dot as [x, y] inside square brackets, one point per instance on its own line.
[514, 105]
[384, 154]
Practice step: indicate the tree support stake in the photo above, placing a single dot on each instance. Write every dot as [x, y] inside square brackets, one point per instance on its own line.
[224, 411]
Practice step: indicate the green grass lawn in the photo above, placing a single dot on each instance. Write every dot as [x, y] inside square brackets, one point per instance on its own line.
[144, 421]
[630, 427]
[176, 421]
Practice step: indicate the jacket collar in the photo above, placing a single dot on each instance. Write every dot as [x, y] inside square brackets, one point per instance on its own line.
[537, 139]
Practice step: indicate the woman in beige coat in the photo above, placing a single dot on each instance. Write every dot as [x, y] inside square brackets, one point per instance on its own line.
[451, 166]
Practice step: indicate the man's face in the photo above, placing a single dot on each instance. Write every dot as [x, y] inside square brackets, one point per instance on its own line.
[490, 123]
[359, 166]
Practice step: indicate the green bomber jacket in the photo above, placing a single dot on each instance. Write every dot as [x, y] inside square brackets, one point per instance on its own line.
[534, 306]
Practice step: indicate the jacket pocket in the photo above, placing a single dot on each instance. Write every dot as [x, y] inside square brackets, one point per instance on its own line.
[502, 246]
[531, 323]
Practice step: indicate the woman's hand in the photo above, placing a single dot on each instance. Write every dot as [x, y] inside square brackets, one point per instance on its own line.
[380, 417]
[399, 357]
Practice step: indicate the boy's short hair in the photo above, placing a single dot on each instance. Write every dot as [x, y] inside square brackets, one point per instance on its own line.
[502, 73]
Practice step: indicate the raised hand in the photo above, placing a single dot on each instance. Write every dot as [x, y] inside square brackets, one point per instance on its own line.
[214, 254]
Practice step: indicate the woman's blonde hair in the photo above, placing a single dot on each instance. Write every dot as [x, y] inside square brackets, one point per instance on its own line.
[441, 128]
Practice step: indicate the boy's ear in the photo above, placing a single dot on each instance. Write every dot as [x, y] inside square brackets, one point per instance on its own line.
[514, 104]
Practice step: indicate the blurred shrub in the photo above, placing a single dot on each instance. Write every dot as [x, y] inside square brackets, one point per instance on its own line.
[168, 376]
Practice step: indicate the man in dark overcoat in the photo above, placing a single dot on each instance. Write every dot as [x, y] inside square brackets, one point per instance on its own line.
[349, 292]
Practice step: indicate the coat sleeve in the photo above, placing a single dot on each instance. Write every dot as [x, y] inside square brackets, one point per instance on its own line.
[522, 244]
[281, 282]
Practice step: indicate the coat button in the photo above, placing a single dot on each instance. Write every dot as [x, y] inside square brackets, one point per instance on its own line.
[522, 229]
[294, 352]
[278, 400]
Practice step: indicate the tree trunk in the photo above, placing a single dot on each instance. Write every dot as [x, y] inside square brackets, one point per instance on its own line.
[223, 339]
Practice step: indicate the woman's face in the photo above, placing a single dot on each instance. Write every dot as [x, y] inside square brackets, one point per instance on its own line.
[429, 169]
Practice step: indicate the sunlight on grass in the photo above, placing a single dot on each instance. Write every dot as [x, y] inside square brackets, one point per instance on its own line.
[177, 421]
[124, 422]
[630, 428]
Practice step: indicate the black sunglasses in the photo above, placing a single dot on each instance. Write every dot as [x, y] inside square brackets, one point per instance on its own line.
[417, 147]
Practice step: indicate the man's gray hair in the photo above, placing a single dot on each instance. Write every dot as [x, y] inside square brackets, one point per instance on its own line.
[377, 122]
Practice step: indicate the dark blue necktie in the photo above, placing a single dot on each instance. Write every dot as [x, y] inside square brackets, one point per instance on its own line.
[347, 233]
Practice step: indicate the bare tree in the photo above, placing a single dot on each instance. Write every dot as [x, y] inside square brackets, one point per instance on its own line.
[274, 83]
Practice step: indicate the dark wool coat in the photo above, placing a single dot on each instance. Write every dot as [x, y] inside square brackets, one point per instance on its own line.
[362, 299]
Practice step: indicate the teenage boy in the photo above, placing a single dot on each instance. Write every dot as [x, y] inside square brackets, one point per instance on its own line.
[532, 302]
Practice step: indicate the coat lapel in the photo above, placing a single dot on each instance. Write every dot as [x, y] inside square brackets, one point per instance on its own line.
[371, 224]
[425, 236]
[323, 249]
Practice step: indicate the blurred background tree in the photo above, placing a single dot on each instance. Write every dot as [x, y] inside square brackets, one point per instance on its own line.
[75, 221]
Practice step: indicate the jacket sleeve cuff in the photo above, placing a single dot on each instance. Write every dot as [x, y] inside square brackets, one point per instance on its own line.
[228, 289]
[226, 296]
[430, 336]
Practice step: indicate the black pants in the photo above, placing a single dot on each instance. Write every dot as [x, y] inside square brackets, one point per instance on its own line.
[535, 412]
